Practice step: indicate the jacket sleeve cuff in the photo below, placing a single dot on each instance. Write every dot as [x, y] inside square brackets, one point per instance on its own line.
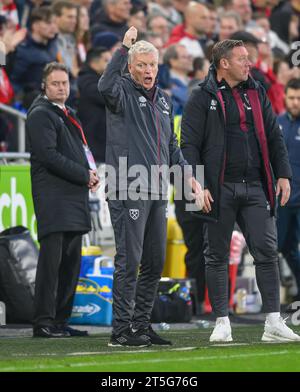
[124, 50]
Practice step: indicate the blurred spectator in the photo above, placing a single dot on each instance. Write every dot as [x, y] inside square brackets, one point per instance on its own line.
[166, 9]
[276, 43]
[285, 20]
[230, 22]
[94, 10]
[6, 96]
[82, 33]
[265, 53]
[180, 7]
[158, 24]
[66, 15]
[83, 3]
[284, 73]
[242, 7]
[213, 22]
[112, 17]
[138, 19]
[156, 40]
[6, 89]
[108, 40]
[200, 71]
[288, 220]
[97, 5]
[180, 65]
[91, 107]
[9, 36]
[192, 34]
[294, 28]
[264, 6]
[38, 49]
[8, 8]
[25, 9]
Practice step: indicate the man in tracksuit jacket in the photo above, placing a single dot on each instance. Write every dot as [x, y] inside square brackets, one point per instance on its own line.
[139, 129]
[288, 221]
[228, 126]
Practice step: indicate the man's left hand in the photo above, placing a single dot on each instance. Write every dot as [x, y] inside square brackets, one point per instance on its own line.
[283, 187]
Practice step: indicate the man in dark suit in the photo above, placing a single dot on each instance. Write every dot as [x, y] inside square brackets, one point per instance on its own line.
[62, 172]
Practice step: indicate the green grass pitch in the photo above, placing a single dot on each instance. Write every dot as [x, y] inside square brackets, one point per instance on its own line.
[190, 351]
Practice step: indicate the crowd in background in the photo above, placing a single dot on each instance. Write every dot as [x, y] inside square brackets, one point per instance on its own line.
[83, 34]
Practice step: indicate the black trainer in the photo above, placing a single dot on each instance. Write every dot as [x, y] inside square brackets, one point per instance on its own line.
[128, 339]
[48, 332]
[72, 331]
[153, 336]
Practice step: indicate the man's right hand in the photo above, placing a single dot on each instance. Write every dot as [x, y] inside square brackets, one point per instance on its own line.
[130, 37]
[207, 201]
[94, 181]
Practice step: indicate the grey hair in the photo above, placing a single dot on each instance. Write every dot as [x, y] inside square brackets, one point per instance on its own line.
[141, 47]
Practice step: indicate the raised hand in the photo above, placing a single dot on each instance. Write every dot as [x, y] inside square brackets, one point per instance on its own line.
[130, 37]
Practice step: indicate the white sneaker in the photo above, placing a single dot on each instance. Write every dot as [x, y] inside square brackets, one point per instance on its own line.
[279, 331]
[221, 332]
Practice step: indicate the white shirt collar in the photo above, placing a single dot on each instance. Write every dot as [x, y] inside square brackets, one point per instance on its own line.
[62, 107]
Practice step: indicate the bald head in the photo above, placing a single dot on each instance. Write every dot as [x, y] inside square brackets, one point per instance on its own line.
[196, 18]
[193, 7]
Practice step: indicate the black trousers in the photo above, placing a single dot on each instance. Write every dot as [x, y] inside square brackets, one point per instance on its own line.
[192, 228]
[56, 278]
[140, 236]
[247, 205]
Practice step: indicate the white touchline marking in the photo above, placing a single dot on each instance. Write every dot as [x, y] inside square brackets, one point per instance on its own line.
[75, 354]
[132, 351]
[228, 344]
[147, 361]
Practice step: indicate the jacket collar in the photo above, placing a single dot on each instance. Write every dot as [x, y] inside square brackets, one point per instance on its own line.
[291, 118]
[42, 101]
[140, 87]
[211, 84]
[32, 42]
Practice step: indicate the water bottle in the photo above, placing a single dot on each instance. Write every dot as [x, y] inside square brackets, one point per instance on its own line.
[2, 314]
[184, 293]
[164, 326]
[241, 301]
[202, 324]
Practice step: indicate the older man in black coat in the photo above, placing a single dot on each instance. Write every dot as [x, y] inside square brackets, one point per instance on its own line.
[62, 172]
